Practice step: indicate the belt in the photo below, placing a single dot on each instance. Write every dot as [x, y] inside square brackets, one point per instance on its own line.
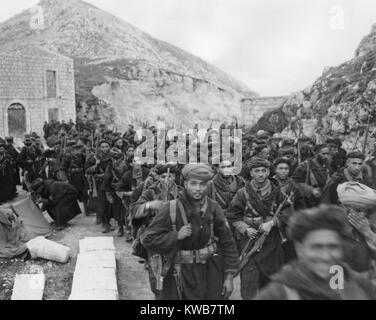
[257, 221]
[196, 256]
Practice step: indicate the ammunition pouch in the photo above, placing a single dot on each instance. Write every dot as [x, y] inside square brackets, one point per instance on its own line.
[196, 256]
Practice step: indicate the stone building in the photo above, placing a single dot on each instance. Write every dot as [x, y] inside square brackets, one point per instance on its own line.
[36, 85]
[254, 108]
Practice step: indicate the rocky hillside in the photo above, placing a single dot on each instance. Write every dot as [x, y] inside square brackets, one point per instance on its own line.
[344, 97]
[122, 73]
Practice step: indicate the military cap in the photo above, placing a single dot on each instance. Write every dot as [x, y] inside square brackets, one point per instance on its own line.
[258, 141]
[288, 142]
[277, 136]
[356, 155]
[9, 139]
[282, 160]
[304, 139]
[320, 147]
[256, 162]
[2, 143]
[116, 153]
[131, 146]
[327, 217]
[163, 168]
[288, 150]
[197, 171]
[260, 147]
[334, 141]
[71, 143]
[104, 141]
[261, 133]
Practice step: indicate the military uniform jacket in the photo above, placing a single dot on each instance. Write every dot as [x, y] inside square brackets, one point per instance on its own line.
[244, 213]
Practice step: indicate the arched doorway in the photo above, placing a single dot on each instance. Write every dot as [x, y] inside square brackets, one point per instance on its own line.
[16, 120]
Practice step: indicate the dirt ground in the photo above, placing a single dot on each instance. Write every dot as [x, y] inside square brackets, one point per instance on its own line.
[133, 282]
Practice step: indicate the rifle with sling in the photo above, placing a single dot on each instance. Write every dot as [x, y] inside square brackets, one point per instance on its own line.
[161, 264]
[254, 245]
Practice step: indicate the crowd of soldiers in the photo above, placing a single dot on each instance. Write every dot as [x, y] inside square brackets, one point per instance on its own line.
[194, 225]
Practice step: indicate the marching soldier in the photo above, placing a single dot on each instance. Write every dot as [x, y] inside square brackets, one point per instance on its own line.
[252, 213]
[194, 237]
[27, 160]
[111, 180]
[291, 189]
[312, 175]
[96, 167]
[360, 244]
[148, 206]
[75, 166]
[224, 187]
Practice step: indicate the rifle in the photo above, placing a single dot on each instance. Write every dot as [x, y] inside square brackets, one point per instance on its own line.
[92, 139]
[366, 137]
[255, 245]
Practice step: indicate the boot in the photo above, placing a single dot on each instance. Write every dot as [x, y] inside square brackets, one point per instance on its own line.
[106, 229]
[120, 232]
[128, 237]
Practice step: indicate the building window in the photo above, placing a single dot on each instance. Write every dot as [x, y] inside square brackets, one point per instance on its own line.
[51, 84]
[53, 114]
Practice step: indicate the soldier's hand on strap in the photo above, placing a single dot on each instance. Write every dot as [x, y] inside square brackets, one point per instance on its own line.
[185, 232]
[155, 205]
[251, 232]
[316, 192]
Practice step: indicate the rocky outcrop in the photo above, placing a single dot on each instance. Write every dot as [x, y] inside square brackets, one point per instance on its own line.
[124, 71]
[343, 98]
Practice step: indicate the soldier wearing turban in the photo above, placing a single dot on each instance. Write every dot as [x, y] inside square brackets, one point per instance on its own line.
[313, 174]
[251, 213]
[200, 240]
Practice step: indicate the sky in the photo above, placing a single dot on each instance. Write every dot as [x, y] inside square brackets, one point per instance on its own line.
[275, 47]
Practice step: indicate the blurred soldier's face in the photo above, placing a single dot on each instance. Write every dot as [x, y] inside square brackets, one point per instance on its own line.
[196, 188]
[225, 169]
[105, 148]
[319, 251]
[354, 166]
[130, 152]
[260, 174]
[324, 155]
[166, 177]
[119, 143]
[282, 171]
[264, 153]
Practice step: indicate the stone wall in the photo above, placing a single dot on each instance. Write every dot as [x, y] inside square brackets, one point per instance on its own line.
[254, 108]
[23, 81]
